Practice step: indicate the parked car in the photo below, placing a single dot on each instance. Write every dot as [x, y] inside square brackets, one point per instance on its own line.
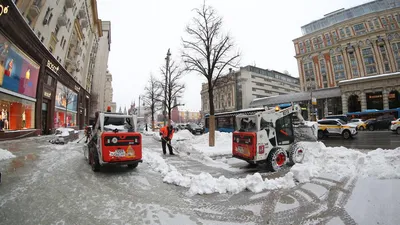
[195, 129]
[380, 123]
[361, 125]
[395, 127]
[336, 127]
[342, 117]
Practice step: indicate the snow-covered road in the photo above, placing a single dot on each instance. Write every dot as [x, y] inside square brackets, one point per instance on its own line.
[51, 184]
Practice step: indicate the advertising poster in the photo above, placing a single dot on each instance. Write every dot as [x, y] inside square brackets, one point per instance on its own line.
[64, 95]
[18, 73]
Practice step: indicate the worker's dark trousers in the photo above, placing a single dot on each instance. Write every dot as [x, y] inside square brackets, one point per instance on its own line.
[164, 143]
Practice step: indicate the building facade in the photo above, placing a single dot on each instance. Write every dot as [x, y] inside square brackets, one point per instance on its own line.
[237, 89]
[37, 93]
[100, 67]
[359, 42]
[108, 91]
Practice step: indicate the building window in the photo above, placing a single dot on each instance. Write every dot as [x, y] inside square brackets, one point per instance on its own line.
[253, 89]
[62, 40]
[377, 23]
[338, 67]
[49, 80]
[342, 34]
[369, 61]
[320, 42]
[371, 25]
[323, 73]
[385, 58]
[328, 39]
[353, 64]
[260, 84]
[359, 29]
[42, 39]
[315, 43]
[384, 22]
[348, 32]
[309, 74]
[335, 37]
[56, 29]
[396, 52]
[301, 46]
[308, 46]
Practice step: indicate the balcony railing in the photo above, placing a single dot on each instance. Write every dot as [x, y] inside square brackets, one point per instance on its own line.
[81, 13]
[34, 10]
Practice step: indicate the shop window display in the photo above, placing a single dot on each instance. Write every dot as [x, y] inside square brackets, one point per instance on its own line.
[65, 107]
[16, 113]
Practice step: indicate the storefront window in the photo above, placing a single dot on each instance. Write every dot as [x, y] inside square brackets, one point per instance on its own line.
[66, 107]
[16, 113]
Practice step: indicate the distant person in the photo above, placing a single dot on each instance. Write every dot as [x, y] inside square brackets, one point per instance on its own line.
[166, 133]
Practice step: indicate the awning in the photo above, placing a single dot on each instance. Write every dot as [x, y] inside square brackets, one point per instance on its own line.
[296, 97]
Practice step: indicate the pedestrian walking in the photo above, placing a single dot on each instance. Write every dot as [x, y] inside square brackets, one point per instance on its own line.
[166, 133]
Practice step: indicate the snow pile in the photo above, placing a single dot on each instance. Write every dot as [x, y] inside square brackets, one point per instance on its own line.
[63, 132]
[223, 144]
[148, 133]
[4, 154]
[340, 161]
[183, 135]
[156, 136]
[115, 127]
[204, 183]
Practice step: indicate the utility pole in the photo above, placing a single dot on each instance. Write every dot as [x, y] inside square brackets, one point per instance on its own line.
[166, 86]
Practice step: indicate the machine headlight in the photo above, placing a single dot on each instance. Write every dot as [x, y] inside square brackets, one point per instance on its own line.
[114, 140]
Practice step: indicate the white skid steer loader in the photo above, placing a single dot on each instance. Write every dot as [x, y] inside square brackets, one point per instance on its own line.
[273, 137]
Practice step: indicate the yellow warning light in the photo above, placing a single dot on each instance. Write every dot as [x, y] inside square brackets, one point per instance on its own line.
[277, 108]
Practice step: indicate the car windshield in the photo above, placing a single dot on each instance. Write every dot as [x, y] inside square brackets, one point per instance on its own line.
[342, 121]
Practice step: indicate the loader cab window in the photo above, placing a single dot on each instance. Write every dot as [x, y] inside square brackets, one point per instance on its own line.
[284, 130]
[121, 124]
[248, 124]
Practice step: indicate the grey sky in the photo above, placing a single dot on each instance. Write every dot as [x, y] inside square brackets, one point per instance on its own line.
[142, 32]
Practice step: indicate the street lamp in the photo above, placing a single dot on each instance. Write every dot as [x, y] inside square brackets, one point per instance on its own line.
[140, 97]
[166, 84]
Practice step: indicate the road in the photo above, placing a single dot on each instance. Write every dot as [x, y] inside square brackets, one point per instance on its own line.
[368, 140]
[52, 184]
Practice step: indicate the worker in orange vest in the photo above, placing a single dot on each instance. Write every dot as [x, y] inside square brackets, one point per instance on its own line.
[166, 133]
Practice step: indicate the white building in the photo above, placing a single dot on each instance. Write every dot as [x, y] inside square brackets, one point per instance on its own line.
[237, 89]
[108, 92]
[70, 29]
[100, 66]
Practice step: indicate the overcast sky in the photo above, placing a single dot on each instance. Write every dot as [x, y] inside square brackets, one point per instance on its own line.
[143, 30]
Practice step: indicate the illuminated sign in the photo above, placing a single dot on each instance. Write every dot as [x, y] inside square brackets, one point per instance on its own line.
[51, 66]
[3, 9]
[47, 94]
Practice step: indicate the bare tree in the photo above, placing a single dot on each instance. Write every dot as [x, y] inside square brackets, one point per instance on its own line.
[209, 52]
[286, 72]
[174, 88]
[68, 97]
[152, 97]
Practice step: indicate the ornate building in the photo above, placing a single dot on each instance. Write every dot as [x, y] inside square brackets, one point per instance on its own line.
[359, 42]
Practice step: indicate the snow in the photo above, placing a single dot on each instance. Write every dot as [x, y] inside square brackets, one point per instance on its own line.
[148, 133]
[379, 199]
[114, 127]
[223, 144]
[4, 154]
[204, 183]
[63, 131]
[341, 162]
[183, 135]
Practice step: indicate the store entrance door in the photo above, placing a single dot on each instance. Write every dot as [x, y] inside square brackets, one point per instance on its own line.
[45, 124]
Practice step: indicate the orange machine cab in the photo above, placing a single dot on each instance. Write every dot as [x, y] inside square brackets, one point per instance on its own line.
[118, 147]
[244, 144]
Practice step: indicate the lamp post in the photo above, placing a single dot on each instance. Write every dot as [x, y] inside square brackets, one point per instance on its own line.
[165, 87]
[140, 97]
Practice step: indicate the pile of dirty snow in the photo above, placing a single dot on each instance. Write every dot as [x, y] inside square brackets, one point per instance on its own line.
[63, 131]
[4, 154]
[341, 162]
[223, 144]
[204, 183]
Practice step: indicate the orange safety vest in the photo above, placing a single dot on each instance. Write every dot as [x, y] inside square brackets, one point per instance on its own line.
[165, 133]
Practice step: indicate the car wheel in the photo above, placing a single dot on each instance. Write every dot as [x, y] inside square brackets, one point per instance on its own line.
[398, 130]
[371, 127]
[361, 128]
[320, 134]
[346, 134]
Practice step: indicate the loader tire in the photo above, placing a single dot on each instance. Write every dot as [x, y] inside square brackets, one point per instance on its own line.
[320, 134]
[94, 160]
[276, 159]
[296, 155]
[132, 166]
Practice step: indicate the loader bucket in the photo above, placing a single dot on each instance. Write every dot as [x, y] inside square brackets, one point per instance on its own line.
[306, 132]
